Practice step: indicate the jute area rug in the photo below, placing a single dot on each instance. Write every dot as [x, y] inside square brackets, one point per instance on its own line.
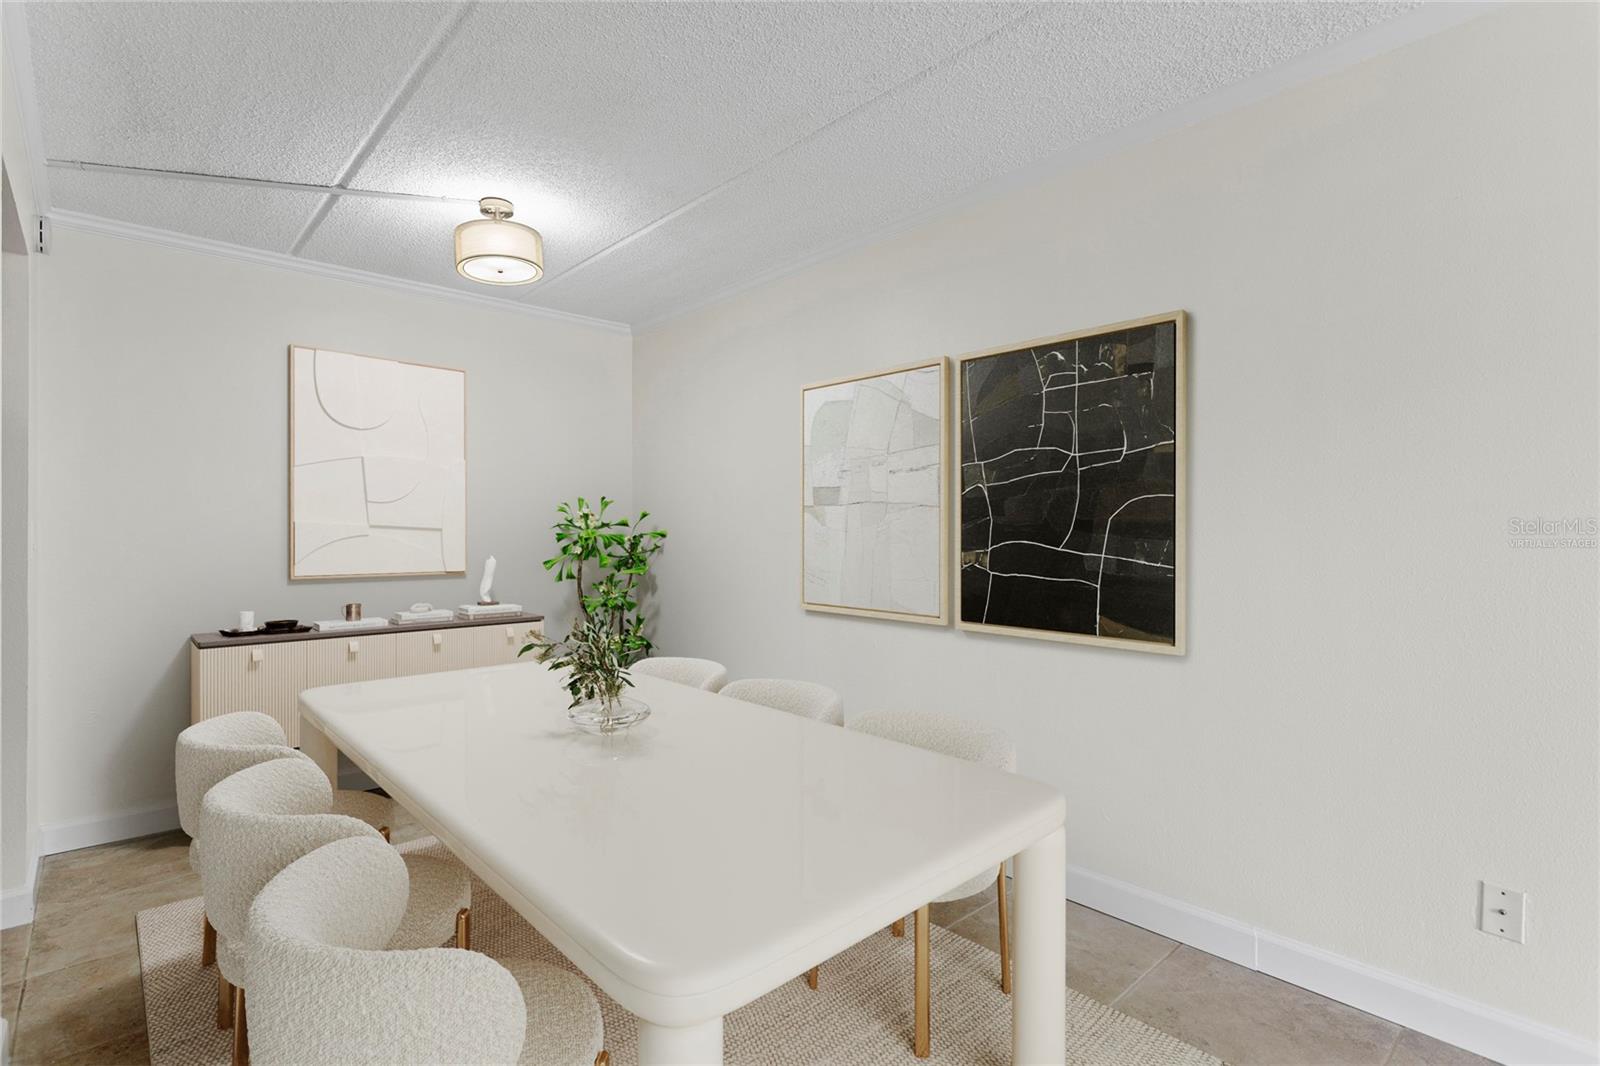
[861, 1012]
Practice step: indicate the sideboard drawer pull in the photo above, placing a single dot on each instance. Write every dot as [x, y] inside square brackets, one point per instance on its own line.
[355, 646]
[438, 640]
[255, 655]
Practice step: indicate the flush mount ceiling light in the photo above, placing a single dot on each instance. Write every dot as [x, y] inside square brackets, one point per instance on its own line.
[497, 251]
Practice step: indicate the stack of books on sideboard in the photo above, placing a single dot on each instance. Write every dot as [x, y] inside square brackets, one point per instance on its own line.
[470, 612]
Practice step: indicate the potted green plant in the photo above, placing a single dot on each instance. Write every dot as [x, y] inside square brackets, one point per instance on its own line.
[608, 559]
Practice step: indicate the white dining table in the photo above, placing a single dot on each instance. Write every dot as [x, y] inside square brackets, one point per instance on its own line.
[694, 863]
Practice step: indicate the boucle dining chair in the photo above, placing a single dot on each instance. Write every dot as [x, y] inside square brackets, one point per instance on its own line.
[960, 739]
[696, 673]
[804, 698]
[261, 819]
[323, 989]
[210, 750]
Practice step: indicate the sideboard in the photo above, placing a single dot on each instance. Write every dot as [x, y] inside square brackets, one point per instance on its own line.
[267, 672]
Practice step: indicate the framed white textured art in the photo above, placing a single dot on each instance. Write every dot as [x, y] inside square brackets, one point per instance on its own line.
[377, 467]
[874, 493]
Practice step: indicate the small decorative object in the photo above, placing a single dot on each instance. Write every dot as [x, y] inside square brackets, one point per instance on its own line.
[352, 612]
[340, 625]
[608, 635]
[377, 467]
[1073, 460]
[418, 613]
[247, 621]
[873, 493]
[280, 625]
[486, 586]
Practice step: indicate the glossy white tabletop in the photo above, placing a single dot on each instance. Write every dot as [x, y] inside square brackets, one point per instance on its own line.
[698, 860]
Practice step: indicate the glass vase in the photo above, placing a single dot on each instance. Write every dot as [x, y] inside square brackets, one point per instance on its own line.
[604, 717]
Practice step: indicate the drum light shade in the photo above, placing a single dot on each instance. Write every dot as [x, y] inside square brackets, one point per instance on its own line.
[497, 251]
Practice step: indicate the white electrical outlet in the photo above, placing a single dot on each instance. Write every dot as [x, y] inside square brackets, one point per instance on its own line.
[1501, 911]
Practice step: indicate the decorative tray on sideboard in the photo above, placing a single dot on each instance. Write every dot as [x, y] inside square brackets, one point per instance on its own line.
[213, 638]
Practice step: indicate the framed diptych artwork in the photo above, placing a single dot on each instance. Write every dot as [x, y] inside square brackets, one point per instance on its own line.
[1072, 486]
[874, 489]
[377, 467]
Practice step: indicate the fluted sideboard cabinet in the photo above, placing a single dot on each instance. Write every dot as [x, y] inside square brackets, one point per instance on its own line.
[268, 672]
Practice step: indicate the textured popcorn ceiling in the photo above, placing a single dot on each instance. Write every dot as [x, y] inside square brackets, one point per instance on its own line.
[666, 151]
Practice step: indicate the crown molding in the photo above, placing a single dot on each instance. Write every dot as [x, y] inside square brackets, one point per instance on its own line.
[127, 230]
[1428, 19]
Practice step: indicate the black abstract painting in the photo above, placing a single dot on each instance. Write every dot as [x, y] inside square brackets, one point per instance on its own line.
[1071, 464]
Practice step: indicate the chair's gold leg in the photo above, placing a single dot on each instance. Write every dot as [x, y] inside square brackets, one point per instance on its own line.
[224, 1002]
[383, 831]
[603, 1059]
[464, 928]
[208, 942]
[1005, 933]
[922, 1043]
[241, 1030]
[811, 978]
[897, 927]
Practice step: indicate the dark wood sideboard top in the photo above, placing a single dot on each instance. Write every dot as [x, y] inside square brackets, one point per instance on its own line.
[212, 638]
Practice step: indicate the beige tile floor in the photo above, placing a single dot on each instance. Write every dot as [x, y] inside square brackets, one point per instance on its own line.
[71, 979]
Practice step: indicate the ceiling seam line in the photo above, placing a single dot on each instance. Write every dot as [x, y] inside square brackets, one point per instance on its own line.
[722, 186]
[88, 166]
[442, 36]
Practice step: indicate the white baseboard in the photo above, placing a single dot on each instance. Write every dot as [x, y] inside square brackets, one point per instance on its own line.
[1482, 1029]
[141, 822]
[1210, 932]
[87, 832]
[16, 906]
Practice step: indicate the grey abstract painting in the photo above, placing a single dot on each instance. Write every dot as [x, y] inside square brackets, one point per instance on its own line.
[873, 494]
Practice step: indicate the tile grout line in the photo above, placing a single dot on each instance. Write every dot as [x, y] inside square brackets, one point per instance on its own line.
[1120, 995]
[1399, 1031]
[968, 914]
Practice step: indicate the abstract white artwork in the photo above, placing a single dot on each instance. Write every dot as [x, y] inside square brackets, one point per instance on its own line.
[873, 494]
[377, 467]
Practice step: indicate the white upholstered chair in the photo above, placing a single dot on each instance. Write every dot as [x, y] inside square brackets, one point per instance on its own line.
[696, 673]
[960, 739]
[261, 819]
[210, 750]
[804, 698]
[323, 989]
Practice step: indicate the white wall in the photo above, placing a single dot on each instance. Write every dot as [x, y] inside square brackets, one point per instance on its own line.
[1392, 276]
[16, 824]
[18, 814]
[160, 433]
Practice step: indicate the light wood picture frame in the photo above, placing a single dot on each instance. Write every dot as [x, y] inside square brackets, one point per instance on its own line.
[1024, 436]
[875, 494]
[377, 467]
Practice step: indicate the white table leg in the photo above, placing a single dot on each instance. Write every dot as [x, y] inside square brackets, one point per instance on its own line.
[1039, 953]
[315, 743]
[691, 1045]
